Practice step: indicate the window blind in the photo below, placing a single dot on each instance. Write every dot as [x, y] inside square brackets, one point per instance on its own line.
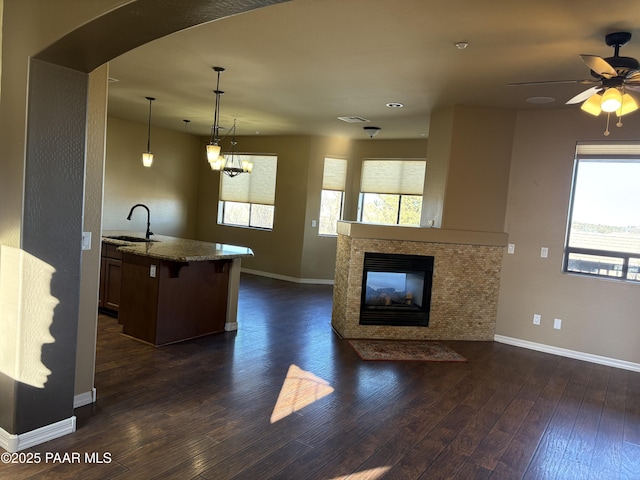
[405, 177]
[259, 186]
[335, 174]
[611, 150]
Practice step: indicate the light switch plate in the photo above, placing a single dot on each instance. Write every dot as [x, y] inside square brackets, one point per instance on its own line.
[544, 252]
[511, 248]
[557, 323]
[536, 319]
[86, 240]
[152, 271]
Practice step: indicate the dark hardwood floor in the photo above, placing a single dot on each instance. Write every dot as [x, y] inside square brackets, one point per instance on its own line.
[202, 409]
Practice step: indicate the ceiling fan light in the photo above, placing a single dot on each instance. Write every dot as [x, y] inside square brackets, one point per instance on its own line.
[592, 105]
[611, 100]
[629, 105]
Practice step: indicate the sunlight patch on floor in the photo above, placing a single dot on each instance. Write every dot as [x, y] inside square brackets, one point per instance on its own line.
[371, 474]
[300, 389]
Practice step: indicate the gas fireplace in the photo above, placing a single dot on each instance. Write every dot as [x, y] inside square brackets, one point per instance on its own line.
[396, 289]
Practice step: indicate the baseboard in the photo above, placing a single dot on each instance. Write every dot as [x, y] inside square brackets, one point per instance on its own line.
[14, 443]
[563, 352]
[314, 281]
[85, 398]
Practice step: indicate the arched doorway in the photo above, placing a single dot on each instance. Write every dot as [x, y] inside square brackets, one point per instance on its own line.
[55, 177]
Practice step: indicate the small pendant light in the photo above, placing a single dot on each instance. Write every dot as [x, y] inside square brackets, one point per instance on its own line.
[147, 157]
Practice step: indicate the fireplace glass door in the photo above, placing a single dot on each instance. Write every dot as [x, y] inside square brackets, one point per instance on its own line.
[396, 289]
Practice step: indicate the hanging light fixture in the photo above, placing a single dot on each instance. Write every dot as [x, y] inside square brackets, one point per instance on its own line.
[230, 164]
[213, 148]
[147, 157]
[612, 100]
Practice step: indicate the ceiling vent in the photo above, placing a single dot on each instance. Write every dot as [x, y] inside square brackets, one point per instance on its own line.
[353, 119]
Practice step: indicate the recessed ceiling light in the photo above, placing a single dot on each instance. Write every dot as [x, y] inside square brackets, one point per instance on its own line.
[540, 100]
[462, 45]
[395, 105]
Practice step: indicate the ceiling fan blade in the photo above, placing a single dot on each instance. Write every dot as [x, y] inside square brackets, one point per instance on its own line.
[581, 97]
[633, 87]
[599, 65]
[553, 82]
[633, 79]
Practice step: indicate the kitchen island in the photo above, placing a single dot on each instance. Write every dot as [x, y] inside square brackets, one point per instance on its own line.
[174, 289]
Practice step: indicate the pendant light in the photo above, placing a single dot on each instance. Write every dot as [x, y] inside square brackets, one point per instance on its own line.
[213, 148]
[230, 163]
[147, 157]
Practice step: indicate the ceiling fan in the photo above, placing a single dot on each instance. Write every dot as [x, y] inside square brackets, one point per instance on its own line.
[613, 77]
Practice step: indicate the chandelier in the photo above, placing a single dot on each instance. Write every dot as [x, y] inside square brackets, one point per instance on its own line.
[229, 163]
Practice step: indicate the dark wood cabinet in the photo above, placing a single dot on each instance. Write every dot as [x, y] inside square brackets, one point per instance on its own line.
[110, 278]
[168, 301]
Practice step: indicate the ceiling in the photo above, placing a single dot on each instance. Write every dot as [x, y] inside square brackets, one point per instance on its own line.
[294, 67]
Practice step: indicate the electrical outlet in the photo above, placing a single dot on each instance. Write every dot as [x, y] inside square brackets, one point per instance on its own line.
[536, 319]
[511, 248]
[152, 271]
[544, 252]
[557, 323]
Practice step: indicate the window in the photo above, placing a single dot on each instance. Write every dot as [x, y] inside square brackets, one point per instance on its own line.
[248, 199]
[334, 180]
[391, 191]
[603, 233]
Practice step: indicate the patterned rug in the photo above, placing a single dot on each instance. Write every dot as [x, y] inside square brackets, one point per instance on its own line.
[405, 350]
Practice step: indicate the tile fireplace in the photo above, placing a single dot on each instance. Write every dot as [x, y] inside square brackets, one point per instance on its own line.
[463, 279]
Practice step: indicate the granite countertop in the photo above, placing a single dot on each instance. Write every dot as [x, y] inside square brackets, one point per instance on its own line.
[174, 249]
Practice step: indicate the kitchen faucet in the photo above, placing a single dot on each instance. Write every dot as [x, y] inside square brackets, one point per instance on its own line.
[149, 232]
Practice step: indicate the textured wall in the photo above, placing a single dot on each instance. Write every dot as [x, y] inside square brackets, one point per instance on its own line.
[464, 298]
[52, 229]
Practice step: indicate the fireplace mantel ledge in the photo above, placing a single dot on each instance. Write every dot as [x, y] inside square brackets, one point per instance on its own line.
[421, 234]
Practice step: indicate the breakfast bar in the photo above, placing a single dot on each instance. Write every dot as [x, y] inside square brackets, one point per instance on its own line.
[174, 289]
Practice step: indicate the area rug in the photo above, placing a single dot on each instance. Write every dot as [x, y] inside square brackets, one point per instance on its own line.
[405, 350]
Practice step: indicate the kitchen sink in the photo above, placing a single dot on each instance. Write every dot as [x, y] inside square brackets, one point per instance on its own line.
[129, 238]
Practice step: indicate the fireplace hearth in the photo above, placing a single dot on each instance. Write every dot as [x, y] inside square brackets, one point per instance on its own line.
[396, 289]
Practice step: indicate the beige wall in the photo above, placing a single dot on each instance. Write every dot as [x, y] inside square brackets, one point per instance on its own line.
[278, 251]
[598, 316]
[294, 249]
[319, 251]
[92, 220]
[168, 188]
[468, 168]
